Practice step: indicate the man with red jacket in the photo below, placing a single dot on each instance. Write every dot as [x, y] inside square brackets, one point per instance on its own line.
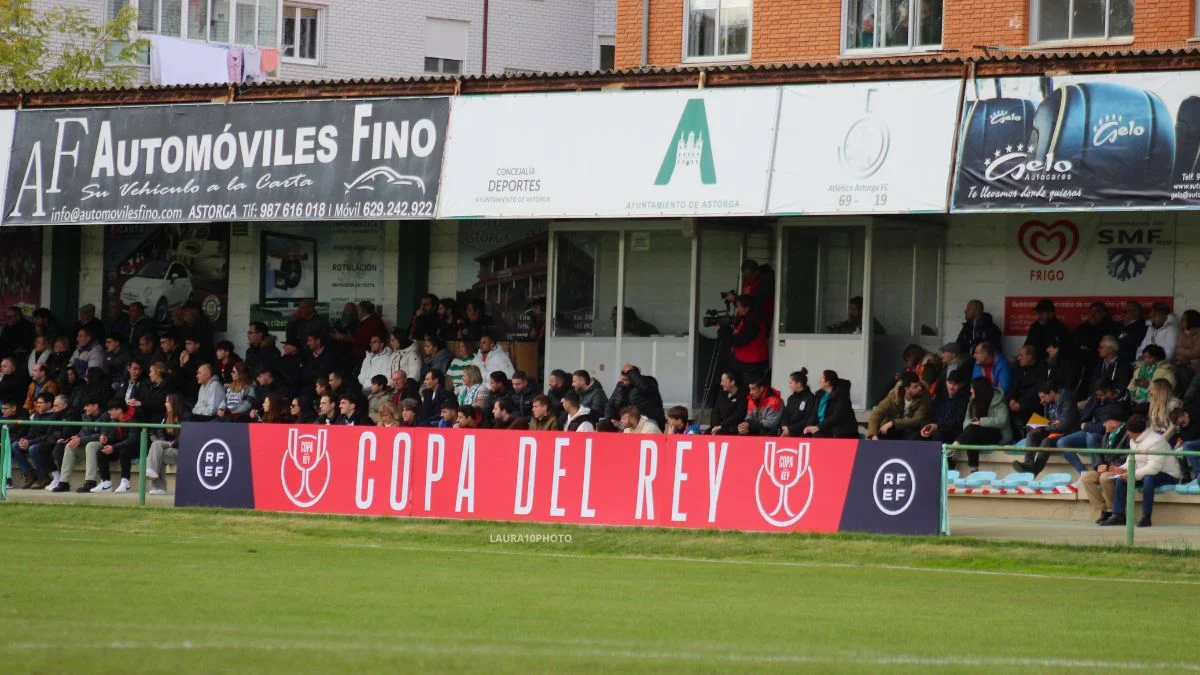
[764, 410]
[751, 356]
[758, 282]
[369, 325]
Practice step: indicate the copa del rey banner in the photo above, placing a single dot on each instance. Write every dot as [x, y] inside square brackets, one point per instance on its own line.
[652, 153]
[604, 479]
[1080, 258]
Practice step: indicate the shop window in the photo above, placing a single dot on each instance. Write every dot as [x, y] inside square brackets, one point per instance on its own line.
[717, 29]
[658, 271]
[892, 24]
[586, 269]
[1055, 20]
[829, 262]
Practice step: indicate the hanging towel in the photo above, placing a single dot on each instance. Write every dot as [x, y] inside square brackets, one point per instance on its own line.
[236, 56]
[270, 60]
[252, 66]
[175, 61]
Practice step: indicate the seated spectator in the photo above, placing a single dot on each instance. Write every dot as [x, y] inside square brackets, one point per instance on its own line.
[832, 415]
[902, 413]
[117, 443]
[136, 389]
[435, 356]
[12, 411]
[954, 360]
[26, 448]
[410, 413]
[389, 415]
[339, 386]
[678, 421]
[164, 450]
[88, 322]
[1152, 471]
[591, 392]
[433, 395]
[241, 396]
[729, 409]
[377, 361]
[1111, 367]
[853, 323]
[633, 325]
[636, 389]
[1187, 437]
[1023, 396]
[1088, 334]
[949, 411]
[1152, 366]
[448, 326]
[153, 406]
[264, 381]
[16, 334]
[477, 324]
[1162, 329]
[544, 417]
[289, 369]
[321, 360]
[59, 361]
[274, 411]
[923, 365]
[404, 387]
[299, 412]
[305, 322]
[557, 386]
[634, 422]
[1047, 329]
[327, 410]
[987, 420]
[607, 426]
[50, 453]
[799, 404]
[1098, 484]
[491, 357]
[1062, 367]
[1161, 404]
[449, 414]
[366, 327]
[473, 392]
[1099, 407]
[579, 417]
[259, 352]
[211, 396]
[41, 384]
[75, 444]
[226, 358]
[147, 350]
[1058, 406]
[977, 327]
[990, 363]
[465, 418]
[38, 355]
[377, 396]
[464, 355]
[498, 388]
[764, 410]
[13, 383]
[522, 393]
[351, 414]
[505, 416]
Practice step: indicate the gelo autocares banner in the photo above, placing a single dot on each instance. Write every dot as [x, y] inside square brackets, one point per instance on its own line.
[1123, 141]
[774, 485]
[307, 160]
[865, 147]
[681, 152]
[1080, 258]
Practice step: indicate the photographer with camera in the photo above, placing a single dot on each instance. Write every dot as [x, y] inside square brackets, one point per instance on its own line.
[758, 282]
[748, 339]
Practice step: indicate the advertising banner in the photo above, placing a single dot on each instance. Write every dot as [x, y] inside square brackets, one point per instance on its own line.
[21, 268]
[164, 266]
[865, 147]
[8, 118]
[757, 484]
[1086, 258]
[1105, 141]
[616, 154]
[304, 160]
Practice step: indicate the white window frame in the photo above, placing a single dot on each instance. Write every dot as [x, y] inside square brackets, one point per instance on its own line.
[442, 61]
[321, 14]
[183, 7]
[1035, 20]
[716, 58]
[913, 27]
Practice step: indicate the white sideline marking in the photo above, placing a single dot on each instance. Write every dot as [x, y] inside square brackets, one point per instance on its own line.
[508, 649]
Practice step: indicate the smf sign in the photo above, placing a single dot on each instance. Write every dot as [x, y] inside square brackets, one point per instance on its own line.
[776, 485]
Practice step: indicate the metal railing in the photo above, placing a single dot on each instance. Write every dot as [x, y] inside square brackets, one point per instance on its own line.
[143, 446]
[1131, 485]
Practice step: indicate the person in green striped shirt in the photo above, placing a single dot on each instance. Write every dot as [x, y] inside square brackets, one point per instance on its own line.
[464, 355]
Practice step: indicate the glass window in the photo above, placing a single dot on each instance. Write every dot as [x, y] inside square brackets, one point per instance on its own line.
[148, 16]
[442, 66]
[218, 30]
[823, 270]
[268, 23]
[657, 284]
[892, 24]
[172, 18]
[586, 268]
[300, 33]
[608, 57]
[197, 19]
[1082, 19]
[718, 28]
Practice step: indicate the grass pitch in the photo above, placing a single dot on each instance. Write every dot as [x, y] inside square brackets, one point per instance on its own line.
[95, 589]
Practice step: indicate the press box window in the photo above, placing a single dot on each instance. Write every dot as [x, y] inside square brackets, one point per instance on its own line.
[445, 46]
[301, 34]
[1082, 19]
[717, 29]
[892, 24]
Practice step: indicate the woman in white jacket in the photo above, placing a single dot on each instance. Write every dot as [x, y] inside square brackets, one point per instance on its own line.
[1152, 470]
[404, 355]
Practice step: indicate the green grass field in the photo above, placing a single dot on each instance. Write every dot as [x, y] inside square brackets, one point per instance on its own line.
[95, 589]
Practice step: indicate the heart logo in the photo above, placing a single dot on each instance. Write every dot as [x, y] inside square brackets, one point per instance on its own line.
[1047, 244]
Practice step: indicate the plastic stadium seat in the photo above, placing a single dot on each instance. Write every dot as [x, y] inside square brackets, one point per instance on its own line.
[1014, 480]
[979, 479]
[1192, 488]
[1018, 444]
[951, 476]
[1052, 481]
[1165, 488]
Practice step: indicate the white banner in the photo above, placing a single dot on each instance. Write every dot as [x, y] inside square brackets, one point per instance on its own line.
[674, 153]
[866, 147]
[8, 119]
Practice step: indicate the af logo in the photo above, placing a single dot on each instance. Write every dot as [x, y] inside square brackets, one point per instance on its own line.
[689, 152]
[895, 485]
[788, 491]
[214, 463]
[305, 472]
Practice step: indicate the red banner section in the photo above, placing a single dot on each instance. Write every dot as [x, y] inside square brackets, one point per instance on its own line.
[1019, 314]
[764, 484]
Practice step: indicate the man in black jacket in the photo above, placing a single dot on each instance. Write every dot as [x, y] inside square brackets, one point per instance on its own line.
[949, 410]
[730, 408]
[1047, 330]
[1027, 375]
[259, 354]
[1089, 333]
[321, 360]
[117, 443]
[1132, 332]
[978, 327]
[36, 438]
[641, 391]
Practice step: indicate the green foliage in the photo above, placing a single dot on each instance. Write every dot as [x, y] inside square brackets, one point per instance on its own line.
[63, 48]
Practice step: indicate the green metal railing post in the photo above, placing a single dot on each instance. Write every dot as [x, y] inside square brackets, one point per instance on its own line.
[1130, 490]
[5, 464]
[143, 445]
[945, 499]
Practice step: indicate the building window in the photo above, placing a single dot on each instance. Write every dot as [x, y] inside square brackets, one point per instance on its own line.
[893, 24]
[301, 34]
[250, 23]
[1082, 19]
[608, 53]
[717, 29]
[445, 46]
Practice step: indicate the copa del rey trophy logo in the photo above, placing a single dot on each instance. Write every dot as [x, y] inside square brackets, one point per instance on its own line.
[787, 492]
[304, 473]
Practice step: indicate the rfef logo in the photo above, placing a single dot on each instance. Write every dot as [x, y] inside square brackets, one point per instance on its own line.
[214, 463]
[690, 148]
[305, 471]
[895, 486]
[785, 469]
[1048, 244]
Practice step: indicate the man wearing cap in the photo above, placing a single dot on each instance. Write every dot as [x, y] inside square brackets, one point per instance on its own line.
[949, 409]
[1098, 484]
[954, 360]
[1047, 330]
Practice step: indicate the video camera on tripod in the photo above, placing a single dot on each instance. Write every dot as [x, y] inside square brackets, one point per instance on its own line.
[717, 317]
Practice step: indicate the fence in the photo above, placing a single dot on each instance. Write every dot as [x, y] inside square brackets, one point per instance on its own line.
[143, 446]
[1130, 493]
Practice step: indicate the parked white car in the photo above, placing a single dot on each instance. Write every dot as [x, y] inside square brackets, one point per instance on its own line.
[160, 286]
